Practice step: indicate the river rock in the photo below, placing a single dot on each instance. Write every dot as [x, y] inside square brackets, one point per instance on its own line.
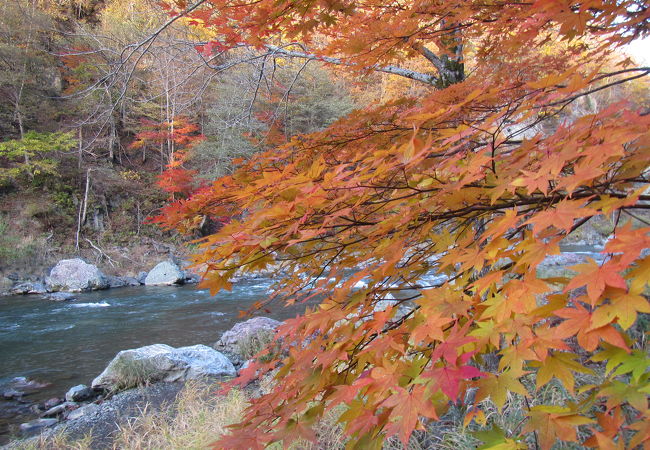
[84, 411]
[141, 277]
[192, 278]
[232, 341]
[60, 296]
[29, 287]
[79, 393]
[165, 273]
[34, 425]
[115, 282]
[12, 394]
[76, 275]
[5, 284]
[26, 385]
[59, 409]
[130, 281]
[160, 362]
[52, 402]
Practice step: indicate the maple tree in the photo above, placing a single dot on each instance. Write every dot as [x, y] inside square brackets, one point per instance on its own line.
[178, 137]
[458, 182]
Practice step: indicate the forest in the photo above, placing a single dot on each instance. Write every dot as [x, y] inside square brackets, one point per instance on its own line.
[92, 113]
[406, 172]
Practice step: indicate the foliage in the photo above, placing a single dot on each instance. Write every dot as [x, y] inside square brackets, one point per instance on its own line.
[28, 74]
[28, 157]
[451, 183]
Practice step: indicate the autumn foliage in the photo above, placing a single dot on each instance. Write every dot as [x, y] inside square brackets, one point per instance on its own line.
[476, 182]
[179, 136]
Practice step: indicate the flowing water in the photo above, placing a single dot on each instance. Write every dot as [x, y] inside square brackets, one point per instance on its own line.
[69, 343]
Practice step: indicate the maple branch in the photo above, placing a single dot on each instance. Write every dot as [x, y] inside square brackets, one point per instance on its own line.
[440, 65]
[394, 70]
[274, 50]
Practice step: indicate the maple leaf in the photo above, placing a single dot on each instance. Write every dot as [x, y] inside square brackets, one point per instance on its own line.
[496, 439]
[624, 307]
[406, 409]
[553, 423]
[560, 365]
[596, 278]
[579, 323]
[629, 242]
[496, 387]
[562, 216]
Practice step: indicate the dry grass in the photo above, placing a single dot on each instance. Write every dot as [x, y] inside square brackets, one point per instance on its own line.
[199, 417]
[195, 421]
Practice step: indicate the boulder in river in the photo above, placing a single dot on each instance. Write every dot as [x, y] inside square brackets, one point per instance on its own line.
[79, 393]
[29, 287]
[165, 273]
[10, 394]
[141, 277]
[52, 402]
[26, 386]
[160, 362]
[76, 275]
[60, 296]
[243, 340]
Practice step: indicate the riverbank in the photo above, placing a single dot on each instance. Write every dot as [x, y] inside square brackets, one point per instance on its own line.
[94, 417]
[69, 343]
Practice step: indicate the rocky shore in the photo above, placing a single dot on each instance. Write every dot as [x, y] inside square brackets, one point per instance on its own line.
[147, 376]
[70, 276]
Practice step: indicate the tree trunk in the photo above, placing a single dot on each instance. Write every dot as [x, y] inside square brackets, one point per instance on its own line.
[83, 206]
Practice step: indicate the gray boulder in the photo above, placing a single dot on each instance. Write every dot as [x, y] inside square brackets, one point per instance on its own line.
[84, 411]
[38, 424]
[60, 296]
[160, 362]
[79, 393]
[165, 273]
[244, 339]
[141, 277]
[29, 288]
[115, 282]
[54, 401]
[76, 275]
[5, 284]
[12, 393]
[130, 281]
[59, 409]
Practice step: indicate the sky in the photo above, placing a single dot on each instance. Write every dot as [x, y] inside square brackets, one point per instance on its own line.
[640, 51]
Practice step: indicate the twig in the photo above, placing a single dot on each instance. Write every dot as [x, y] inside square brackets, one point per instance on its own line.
[101, 252]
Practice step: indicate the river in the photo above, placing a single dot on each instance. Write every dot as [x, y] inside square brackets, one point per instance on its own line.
[69, 343]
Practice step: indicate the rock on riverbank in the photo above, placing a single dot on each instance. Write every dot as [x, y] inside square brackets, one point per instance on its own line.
[76, 275]
[160, 362]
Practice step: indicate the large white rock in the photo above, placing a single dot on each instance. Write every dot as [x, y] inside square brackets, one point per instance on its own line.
[160, 362]
[165, 273]
[76, 275]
